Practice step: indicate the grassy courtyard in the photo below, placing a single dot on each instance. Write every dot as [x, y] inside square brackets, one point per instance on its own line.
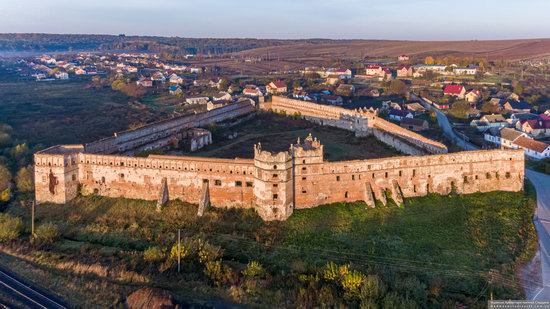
[436, 251]
[276, 133]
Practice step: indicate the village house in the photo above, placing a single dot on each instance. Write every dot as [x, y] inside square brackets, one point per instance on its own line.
[195, 70]
[503, 137]
[416, 108]
[537, 128]
[489, 121]
[535, 150]
[512, 106]
[221, 96]
[158, 77]
[342, 73]
[61, 75]
[515, 117]
[144, 82]
[79, 71]
[470, 70]
[331, 99]
[276, 87]
[422, 68]
[197, 100]
[373, 70]
[215, 82]
[175, 90]
[473, 96]
[398, 115]
[131, 69]
[252, 92]
[455, 91]
[403, 58]
[404, 71]
[175, 79]
[414, 124]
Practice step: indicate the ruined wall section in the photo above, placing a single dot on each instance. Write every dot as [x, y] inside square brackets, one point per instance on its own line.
[160, 133]
[362, 122]
[466, 172]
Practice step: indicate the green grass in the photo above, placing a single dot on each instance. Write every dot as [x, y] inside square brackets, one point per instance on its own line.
[276, 133]
[452, 241]
[69, 111]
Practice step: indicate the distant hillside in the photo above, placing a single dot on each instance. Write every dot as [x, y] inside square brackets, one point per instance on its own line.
[290, 50]
[35, 42]
[508, 49]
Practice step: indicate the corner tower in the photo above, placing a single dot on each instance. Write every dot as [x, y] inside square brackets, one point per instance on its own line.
[273, 184]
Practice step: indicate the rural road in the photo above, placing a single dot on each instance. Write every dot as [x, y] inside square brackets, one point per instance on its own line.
[25, 293]
[446, 125]
[542, 224]
[542, 214]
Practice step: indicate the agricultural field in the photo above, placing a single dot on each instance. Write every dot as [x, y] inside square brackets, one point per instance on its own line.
[436, 251]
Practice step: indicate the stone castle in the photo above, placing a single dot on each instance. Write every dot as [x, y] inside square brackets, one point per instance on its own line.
[274, 184]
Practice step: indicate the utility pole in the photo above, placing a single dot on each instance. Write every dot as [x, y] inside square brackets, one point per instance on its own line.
[32, 217]
[179, 248]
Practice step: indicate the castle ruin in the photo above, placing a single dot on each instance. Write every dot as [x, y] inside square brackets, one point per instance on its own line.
[274, 184]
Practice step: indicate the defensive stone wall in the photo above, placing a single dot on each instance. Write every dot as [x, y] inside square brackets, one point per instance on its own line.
[272, 183]
[361, 121]
[153, 133]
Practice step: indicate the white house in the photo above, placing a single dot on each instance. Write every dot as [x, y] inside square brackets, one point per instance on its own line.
[197, 100]
[535, 150]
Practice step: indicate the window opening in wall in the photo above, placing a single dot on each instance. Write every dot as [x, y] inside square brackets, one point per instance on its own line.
[414, 188]
[414, 173]
[121, 163]
[303, 168]
[488, 175]
[386, 174]
[275, 185]
[249, 184]
[477, 177]
[74, 177]
[275, 175]
[507, 174]
[238, 183]
[337, 178]
[352, 177]
[102, 179]
[274, 167]
[275, 196]
[217, 182]
[400, 173]
[346, 194]
[304, 191]
[122, 176]
[372, 175]
[205, 181]
[304, 178]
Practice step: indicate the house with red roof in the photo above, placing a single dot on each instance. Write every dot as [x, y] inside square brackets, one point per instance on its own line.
[537, 128]
[455, 91]
[373, 70]
[252, 92]
[277, 86]
[404, 71]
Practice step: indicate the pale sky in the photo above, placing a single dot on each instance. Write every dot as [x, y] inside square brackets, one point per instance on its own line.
[284, 19]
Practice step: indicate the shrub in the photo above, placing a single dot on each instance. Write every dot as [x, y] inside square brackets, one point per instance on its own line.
[351, 283]
[46, 234]
[254, 269]
[208, 252]
[187, 247]
[213, 270]
[25, 179]
[154, 254]
[10, 227]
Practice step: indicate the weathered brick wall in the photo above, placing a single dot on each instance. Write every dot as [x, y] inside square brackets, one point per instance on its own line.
[149, 134]
[230, 181]
[362, 122]
[277, 183]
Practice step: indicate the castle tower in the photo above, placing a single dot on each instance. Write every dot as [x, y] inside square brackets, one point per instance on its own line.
[273, 184]
[308, 161]
[56, 174]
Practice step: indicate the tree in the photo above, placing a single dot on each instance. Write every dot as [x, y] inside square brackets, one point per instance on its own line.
[460, 109]
[398, 87]
[429, 60]
[10, 227]
[224, 84]
[5, 179]
[24, 180]
[46, 234]
[518, 88]
[296, 84]
[490, 108]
